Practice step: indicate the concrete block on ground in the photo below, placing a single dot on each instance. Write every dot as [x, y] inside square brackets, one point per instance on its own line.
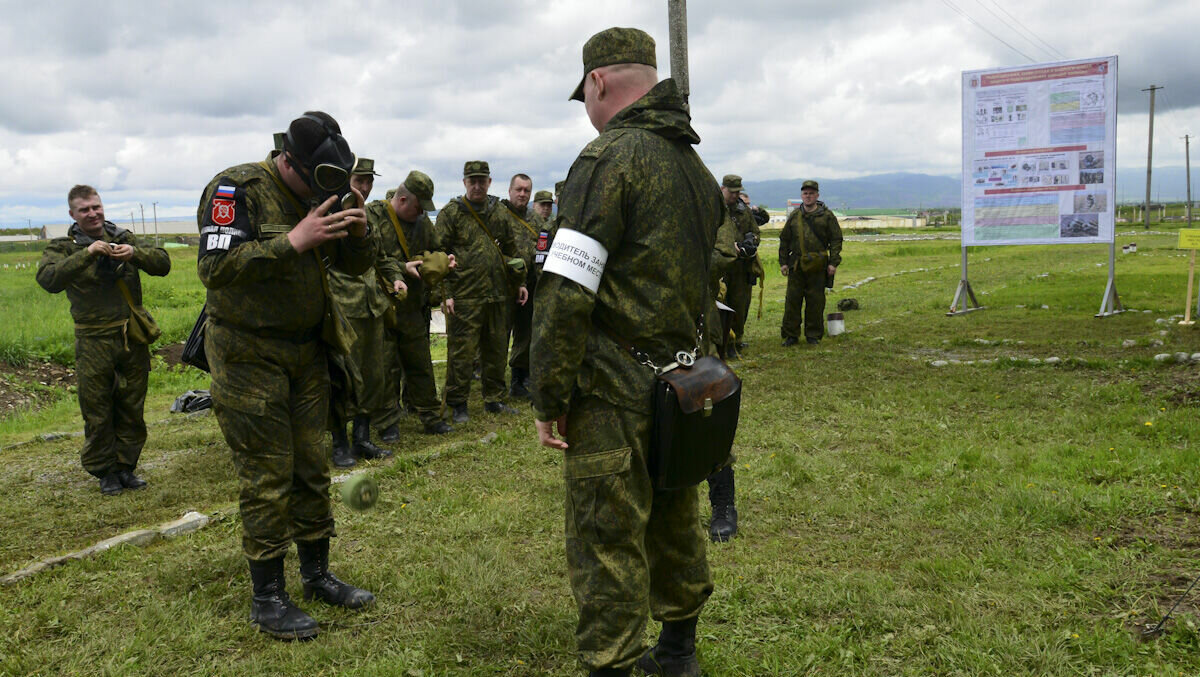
[189, 522]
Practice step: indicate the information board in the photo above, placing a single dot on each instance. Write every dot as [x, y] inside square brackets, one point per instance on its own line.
[1039, 153]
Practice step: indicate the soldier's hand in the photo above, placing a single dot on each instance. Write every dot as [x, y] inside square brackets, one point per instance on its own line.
[448, 307]
[522, 295]
[413, 269]
[831, 269]
[399, 286]
[546, 429]
[783, 270]
[317, 227]
[122, 252]
[453, 262]
[100, 248]
[356, 219]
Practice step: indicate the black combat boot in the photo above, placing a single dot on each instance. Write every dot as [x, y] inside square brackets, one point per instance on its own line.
[390, 434]
[438, 428]
[363, 447]
[724, 515]
[343, 457]
[499, 408]
[129, 480]
[789, 341]
[459, 414]
[322, 585]
[110, 484]
[519, 387]
[271, 609]
[675, 653]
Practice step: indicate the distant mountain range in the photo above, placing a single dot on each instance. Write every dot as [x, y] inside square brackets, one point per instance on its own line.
[911, 191]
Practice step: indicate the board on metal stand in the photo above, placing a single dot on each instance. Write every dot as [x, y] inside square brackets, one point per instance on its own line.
[1111, 305]
[964, 293]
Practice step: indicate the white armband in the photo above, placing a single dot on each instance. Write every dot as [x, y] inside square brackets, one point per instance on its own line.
[577, 257]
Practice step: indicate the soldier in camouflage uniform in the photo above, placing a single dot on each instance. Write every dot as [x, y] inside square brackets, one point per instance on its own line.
[475, 228]
[543, 206]
[408, 245]
[265, 234]
[637, 222]
[740, 278]
[90, 264]
[811, 232]
[527, 230]
[367, 395]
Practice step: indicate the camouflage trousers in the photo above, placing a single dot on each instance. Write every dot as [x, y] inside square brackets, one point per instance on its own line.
[111, 382]
[371, 392]
[631, 550]
[522, 329]
[414, 365]
[476, 328]
[805, 299]
[738, 293]
[271, 398]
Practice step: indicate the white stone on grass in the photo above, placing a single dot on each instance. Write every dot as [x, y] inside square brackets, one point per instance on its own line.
[1128, 343]
[1053, 360]
[938, 363]
[1162, 357]
[1182, 358]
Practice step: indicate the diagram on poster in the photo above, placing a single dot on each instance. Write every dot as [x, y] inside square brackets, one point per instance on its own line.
[1039, 145]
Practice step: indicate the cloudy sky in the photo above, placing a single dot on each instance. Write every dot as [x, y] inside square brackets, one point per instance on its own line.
[147, 101]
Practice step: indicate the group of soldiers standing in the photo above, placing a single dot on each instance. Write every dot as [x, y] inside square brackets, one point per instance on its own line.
[318, 312]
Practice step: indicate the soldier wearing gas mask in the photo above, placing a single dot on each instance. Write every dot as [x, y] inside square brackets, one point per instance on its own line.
[267, 232]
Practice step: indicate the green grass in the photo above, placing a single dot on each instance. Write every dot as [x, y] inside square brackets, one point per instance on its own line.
[897, 518]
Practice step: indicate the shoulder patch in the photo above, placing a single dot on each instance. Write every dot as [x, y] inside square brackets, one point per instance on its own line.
[226, 219]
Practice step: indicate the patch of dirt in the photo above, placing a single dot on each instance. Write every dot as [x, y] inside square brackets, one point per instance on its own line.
[171, 354]
[1179, 387]
[1176, 531]
[32, 385]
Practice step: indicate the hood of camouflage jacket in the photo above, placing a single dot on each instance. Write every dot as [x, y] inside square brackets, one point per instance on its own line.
[661, 111]
[112, 230]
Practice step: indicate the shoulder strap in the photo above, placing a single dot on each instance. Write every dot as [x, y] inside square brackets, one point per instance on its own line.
[523, 222]
[125, 292]
[399, 231]
[471, 211]
[300, 210]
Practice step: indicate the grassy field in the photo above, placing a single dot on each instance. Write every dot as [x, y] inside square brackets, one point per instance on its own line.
[1002, 518]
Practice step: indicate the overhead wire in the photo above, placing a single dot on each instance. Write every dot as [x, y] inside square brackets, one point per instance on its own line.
[983, 28]
[1051, 47]
[1014, 29]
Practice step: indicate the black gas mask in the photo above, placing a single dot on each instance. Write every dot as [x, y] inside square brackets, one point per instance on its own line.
[326, 170]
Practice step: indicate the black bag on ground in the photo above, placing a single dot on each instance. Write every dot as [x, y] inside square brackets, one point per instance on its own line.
[695, 420]
[193, 348]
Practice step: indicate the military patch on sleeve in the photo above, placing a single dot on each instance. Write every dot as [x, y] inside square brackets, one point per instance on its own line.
[543, 246]
[227, 220]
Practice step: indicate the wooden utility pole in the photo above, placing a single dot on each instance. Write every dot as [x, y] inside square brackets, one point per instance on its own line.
[677, 17]
[1149, 153]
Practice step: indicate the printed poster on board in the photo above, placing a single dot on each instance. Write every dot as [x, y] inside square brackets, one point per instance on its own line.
[1039, 153]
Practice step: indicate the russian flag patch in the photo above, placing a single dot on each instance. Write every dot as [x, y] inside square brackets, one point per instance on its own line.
[226, 192]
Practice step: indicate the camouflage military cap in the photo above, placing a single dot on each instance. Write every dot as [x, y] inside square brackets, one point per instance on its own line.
[613, 46]
[733, 182]
[420, 185]
[364, 166]
[810, 184]
[476, 168]
[558, 187]
[543, 196]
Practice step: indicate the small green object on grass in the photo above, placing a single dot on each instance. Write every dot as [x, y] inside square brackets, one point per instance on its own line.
[360, 492]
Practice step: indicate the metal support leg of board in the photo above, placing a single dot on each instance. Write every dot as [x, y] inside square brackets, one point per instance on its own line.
[1111, 305]
[964, 293]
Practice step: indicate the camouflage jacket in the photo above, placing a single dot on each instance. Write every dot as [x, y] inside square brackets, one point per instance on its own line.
[482, 257]
[256, 280]
[823, 234]
[743, 218]
[528, 228]
[641, 191]
[360, 296]
[419, 238]
[97, 304]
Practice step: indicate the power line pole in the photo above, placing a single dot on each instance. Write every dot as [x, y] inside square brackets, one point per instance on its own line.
[1149, 153]
[677, 19]
[155, 207]
[1187, 160]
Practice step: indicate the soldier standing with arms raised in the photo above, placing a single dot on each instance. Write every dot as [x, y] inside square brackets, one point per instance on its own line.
[810, 250]
[98, 265]
[637, 222]
[264, 236]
